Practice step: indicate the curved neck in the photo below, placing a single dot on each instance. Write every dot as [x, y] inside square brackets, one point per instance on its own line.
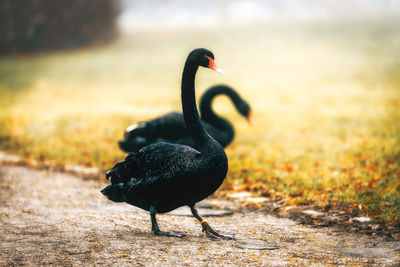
[190, 113]
[208, 114]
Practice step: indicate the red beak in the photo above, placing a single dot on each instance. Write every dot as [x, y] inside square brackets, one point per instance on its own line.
[250, 118]
[212, 65]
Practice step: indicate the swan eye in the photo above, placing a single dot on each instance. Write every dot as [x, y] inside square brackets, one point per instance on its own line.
[212, 65]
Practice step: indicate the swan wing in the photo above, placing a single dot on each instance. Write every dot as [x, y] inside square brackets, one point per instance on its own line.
[168, 127]
[157, 161]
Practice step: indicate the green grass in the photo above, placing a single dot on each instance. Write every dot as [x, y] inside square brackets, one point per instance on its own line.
[325, 97]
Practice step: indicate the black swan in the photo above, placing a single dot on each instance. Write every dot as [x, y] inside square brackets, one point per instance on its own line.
[162, 177]
[171, 127]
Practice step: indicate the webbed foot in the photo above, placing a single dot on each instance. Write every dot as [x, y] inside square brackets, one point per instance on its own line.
[162, 233]
[211, 233]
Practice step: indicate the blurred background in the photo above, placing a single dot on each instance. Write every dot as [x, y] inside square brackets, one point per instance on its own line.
[322, 78]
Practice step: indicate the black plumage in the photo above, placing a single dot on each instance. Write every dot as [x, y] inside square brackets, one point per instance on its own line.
[162, 176]
[171, 127]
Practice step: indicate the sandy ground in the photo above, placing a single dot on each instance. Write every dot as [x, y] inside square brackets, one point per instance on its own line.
[55, 218]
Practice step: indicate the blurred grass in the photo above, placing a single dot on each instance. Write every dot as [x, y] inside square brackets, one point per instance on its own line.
[325, 97]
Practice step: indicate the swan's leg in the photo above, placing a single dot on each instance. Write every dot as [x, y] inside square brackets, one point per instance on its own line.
[211, 233]
[154, 225]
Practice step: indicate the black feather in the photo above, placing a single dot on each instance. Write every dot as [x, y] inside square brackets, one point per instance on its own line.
[171, 127]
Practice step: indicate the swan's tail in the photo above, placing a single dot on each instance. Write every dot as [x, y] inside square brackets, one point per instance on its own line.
[131, 145]
[114, 192]
[122, 171]
[118, 173]
[135, 137]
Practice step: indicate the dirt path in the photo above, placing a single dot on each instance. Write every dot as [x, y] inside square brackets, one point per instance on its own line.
[52, 218]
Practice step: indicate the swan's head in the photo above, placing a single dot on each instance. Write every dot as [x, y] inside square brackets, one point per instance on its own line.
[204, 58]
[245, 110]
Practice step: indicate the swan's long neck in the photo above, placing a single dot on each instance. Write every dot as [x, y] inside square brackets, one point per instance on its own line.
[208, 114]
[190, 113]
